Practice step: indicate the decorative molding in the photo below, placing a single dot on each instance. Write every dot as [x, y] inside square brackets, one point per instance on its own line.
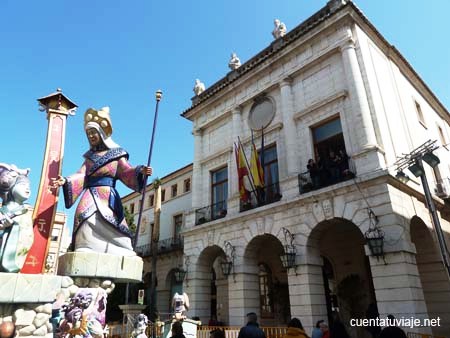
[341, 95]
[216, 155]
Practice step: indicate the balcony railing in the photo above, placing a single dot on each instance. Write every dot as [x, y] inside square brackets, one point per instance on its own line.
[164, 246]
[259, 197]
[325, 178]
[211, 212]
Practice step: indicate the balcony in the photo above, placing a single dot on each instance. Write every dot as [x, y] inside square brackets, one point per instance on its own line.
[267, 195]
[307, 184]
[164, 246]
[211, 212]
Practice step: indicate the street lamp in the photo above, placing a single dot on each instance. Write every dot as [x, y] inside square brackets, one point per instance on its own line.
[290, 252]
[374, 236]
[228, 263]
[414, 162]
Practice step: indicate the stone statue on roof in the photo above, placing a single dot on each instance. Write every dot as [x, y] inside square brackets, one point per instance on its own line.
[279, 30]
[199, 87]
[234, 62]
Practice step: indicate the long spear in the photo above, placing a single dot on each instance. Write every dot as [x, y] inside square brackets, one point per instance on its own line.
[158, 95]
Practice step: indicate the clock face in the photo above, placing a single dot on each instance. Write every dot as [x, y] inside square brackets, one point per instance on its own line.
[261, 114]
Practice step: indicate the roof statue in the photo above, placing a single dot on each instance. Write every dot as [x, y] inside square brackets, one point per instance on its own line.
[234, 62]
[199, 87]
[279, 30]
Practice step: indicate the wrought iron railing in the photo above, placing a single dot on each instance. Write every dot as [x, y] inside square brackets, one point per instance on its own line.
[164, 246]
[325, 177]
[211, 212]
[262, 196]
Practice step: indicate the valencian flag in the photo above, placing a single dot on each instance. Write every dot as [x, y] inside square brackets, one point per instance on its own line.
[242, 172]
[256, 169]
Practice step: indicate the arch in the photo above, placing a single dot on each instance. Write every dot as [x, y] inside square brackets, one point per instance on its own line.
[266, 280]
[340, 243]
[433, 276]
[211, 284]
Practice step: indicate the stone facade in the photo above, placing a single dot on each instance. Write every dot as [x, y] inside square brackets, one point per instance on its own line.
[177, 200]
[335, 70]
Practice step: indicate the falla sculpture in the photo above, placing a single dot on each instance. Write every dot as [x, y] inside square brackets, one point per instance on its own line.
[16, 224]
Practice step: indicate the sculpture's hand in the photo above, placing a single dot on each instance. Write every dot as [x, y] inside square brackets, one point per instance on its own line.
[58, 182]
[147, 171]
[5, 221]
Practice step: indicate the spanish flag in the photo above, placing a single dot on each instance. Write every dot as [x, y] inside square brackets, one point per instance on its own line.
[242, 172]
[256, 169]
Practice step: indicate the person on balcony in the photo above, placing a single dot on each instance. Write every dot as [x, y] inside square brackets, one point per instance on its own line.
[314, 173]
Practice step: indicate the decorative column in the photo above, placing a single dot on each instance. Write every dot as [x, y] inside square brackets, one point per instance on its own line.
[58, 107]
[236, 125]
[398, 288]
[306, 294]
[197, 186]
[289, 127]
[363, 128]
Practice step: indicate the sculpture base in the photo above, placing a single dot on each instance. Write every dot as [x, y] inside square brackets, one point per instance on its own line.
[121, 269]
[26, 301]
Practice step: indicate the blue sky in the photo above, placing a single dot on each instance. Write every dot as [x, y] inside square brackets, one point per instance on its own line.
[116, 53]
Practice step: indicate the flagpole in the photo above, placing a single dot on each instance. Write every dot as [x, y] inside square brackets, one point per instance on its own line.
[158, 96]
[248, 167]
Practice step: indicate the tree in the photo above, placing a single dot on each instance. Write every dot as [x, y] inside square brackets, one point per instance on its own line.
[129, 217]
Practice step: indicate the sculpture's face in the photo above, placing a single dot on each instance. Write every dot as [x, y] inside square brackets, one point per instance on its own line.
[93, 137]
[21, 191]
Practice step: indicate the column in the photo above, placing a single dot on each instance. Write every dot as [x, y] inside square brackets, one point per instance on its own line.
[358, 98]
[197, 184]
[289, 127]
[236, 125]
[367, 158]
[307, 294]
[398, 288]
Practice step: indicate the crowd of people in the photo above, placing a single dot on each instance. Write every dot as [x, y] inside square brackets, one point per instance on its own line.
[295, 330]
[329, 170]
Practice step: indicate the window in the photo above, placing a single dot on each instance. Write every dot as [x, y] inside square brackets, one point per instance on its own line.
[330, 153]
[55, 235]
[163, 195]
[441, 136]
[420, 113]
[265, 291]
[174, 189]
[219, 190]
[132, 208]
[187, 185]
[177, 224]
[270, 161]
[151, 200]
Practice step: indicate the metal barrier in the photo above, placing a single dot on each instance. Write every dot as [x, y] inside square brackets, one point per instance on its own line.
[118, 331]
[421, 335]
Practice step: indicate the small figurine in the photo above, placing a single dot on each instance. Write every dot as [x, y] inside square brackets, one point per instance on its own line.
[16, 225]
[84, 316]
[180, 304]
[100, 225]
[234, 63]
[279, 30]
[140, 326]
[199, 87]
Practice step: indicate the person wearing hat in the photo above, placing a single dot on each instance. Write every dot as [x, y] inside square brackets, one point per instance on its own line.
[99, 224]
